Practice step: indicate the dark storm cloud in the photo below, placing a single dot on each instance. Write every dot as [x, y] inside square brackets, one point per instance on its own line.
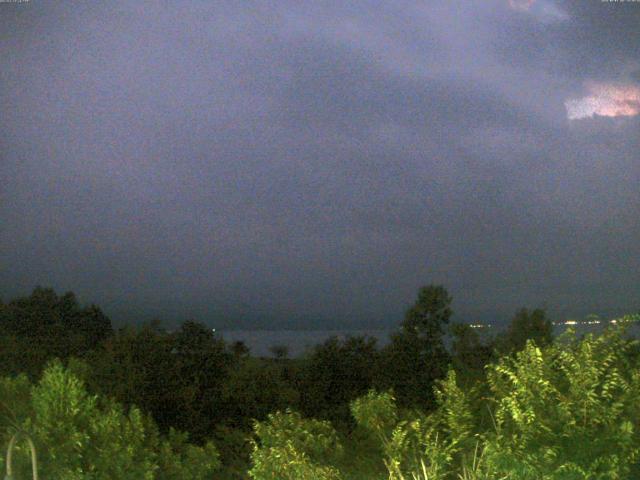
[316, 163]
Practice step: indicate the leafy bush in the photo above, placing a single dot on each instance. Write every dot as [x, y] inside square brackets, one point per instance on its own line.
[567, 411]
[82, 436]
[291, 447]
[415, 445]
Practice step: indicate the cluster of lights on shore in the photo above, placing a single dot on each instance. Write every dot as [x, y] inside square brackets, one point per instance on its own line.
[589, 321]
[584, 322]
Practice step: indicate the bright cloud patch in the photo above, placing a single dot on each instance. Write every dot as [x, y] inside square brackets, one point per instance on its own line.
[606, 100]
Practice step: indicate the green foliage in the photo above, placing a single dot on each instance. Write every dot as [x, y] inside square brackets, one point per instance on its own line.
[285, 462]
[15, 393]
[377, 413]
[525, 326]
[335, 373]
[469, 353]
[178, 459]
[255, 388]
[179, 378]
[431, 312]
[414, 445]
[543, 410]
[136, 367]
[83, 436]
[567, 411]
[43, 325]
[234, 447]
[291, 447]
[201, 366]
[416, 356]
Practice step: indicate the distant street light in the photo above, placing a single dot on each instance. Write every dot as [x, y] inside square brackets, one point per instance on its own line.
[34, 458]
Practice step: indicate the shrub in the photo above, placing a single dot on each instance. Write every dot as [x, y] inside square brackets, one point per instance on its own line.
[82, 436]
[291, 447]
[567, 411]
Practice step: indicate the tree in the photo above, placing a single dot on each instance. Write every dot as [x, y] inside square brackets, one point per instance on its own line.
[429, 315]
[48, 326]
[137, 367]
[254, 388]
[524, 326]
[469, 354]
[416, 356]
[178, 377]
[95, 325]
[202, 363]
[337, 372]
[239, 349]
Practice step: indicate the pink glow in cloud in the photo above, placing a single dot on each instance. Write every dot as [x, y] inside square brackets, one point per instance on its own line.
[606, 100]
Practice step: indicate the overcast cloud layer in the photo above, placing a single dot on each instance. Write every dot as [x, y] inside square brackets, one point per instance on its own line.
[313, 164]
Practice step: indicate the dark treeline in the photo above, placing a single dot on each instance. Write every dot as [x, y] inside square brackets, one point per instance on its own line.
[193, 381]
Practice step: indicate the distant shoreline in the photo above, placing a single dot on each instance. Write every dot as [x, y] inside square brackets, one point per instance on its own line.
[299, 341]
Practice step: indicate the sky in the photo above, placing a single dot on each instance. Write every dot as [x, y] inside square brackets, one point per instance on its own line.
[290, 164]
